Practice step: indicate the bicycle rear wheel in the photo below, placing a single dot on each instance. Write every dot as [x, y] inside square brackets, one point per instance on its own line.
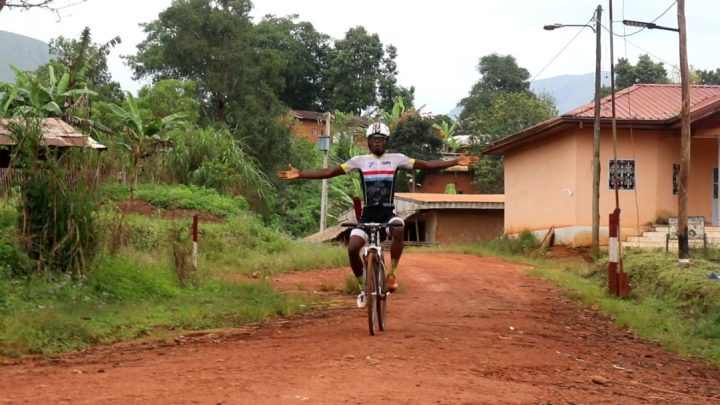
[371, 291]
[381, 293]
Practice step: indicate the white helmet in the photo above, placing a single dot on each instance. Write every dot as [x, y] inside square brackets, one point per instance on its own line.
[377, 128]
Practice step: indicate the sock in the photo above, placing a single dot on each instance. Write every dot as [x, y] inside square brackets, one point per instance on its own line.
[393, 266]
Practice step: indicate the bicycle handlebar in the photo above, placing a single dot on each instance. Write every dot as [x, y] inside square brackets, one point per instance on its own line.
[369, 224]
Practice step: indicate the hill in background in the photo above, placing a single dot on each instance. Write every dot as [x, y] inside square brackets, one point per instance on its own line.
[23, 52]
[570, 91]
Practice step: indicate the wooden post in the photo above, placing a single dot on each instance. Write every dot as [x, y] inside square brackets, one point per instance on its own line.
[595, 247]
[324, 191]
[683, 245]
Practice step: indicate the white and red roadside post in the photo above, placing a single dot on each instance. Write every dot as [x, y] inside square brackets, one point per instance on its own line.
[195, 241]
[618, 280]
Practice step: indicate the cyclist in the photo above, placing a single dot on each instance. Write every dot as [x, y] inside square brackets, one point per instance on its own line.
[378, 170]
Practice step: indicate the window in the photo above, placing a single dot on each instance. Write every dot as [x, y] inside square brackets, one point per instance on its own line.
[625, 174]
[676, 174]
[314, 131]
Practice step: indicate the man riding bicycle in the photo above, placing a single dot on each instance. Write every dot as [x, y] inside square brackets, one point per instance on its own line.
[378, 170]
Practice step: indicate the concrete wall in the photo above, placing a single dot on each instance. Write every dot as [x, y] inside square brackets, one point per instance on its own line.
[435, 182]
[309, 129]
[459, 225]
[549, 183]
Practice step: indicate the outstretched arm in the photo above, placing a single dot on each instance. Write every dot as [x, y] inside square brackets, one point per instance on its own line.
[463, 160]
[294, 173]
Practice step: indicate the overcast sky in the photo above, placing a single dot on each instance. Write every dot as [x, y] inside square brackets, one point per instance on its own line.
[439, 42]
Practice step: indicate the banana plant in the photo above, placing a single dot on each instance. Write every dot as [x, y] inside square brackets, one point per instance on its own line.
[446, 132]
[397, 112]
[30, 94]
[145, 139]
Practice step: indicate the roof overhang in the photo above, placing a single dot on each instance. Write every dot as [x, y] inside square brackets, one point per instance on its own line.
[55, 133]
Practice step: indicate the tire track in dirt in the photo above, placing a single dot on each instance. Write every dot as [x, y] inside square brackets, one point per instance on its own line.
[463, 329]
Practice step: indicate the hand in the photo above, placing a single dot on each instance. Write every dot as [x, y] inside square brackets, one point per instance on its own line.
[291, 173]
[465, 160]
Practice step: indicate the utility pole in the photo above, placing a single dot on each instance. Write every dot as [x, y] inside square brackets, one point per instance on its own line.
[683, 247]
[595, 247]
[324, 192]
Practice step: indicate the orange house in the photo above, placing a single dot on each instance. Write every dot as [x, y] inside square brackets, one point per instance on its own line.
[548, 167]
[308, 124]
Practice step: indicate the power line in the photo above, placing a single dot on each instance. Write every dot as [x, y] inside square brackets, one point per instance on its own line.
[643, 28]
[562, 50]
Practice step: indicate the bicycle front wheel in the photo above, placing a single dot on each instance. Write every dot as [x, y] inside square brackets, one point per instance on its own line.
[371, 291]
[381, 293]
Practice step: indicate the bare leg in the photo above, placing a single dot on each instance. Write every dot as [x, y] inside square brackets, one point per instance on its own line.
[396, 247]
[356, 243]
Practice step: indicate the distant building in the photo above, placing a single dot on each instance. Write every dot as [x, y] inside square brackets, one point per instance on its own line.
[309, 124]
[437, 218]
[458, 177]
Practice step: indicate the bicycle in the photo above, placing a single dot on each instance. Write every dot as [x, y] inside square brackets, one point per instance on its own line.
[374, 268]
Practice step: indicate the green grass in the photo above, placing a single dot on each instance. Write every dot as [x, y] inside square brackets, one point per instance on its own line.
[137, 292]
[181, 196]
[125, 299]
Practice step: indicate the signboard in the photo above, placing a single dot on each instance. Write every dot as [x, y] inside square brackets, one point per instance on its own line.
[696, 228]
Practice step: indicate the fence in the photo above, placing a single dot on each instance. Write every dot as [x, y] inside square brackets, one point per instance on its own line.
[7, 178]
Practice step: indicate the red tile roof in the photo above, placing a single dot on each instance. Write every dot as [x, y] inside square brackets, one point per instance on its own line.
[649, 102]
[642, 106]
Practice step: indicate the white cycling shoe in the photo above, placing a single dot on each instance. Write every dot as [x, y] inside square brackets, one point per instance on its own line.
[361, 301]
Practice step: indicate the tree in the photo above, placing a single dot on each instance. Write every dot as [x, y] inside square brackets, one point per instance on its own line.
[303, 54]
[167, 97]
[500, 104]
[388, 90]
[28, 4]
[508, 114]
[413, 135]
[205, 41]
[498, 74]
[356, 68]
[212, 43]
[86, 63]
[646, 71]
[708, 76]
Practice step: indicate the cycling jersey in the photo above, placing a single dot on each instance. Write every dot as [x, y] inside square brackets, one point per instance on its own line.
[378, 176]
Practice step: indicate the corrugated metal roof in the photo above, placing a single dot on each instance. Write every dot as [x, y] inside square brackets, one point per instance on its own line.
[450, 198]
[649, 106]
[308, 115]
[649, 102]
[56, 132]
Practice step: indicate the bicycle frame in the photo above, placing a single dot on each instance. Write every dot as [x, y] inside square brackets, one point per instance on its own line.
[374, 287]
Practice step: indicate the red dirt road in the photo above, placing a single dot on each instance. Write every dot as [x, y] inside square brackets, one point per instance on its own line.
[464, 329]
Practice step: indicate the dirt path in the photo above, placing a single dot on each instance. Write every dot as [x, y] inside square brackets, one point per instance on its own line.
[464, 330]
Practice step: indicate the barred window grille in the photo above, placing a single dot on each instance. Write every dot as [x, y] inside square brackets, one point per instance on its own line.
[625, 174]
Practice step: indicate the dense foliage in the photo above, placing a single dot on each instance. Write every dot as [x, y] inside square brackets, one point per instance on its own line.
[500, 104]
[645, 71]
